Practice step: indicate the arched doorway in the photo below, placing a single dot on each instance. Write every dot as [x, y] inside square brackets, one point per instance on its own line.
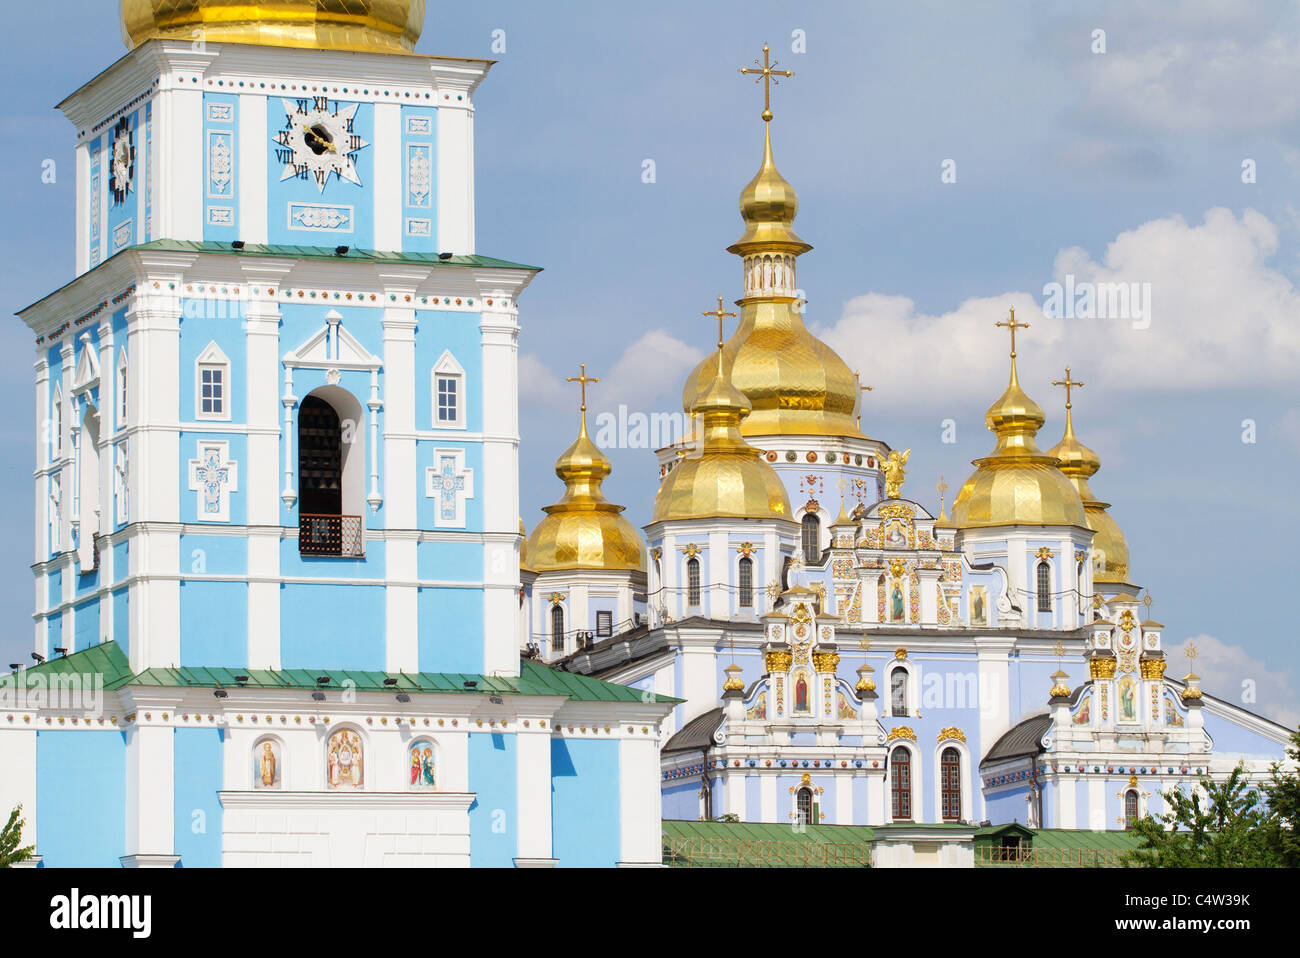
[331, 474]
[320, 459]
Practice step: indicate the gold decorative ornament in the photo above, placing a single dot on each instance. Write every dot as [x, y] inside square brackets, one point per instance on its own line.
[1127, 620]
[1102, 667]
[733, 682]
[556, 598]
[901, 731]
[746, 548]
[1132, 781]
[1153, 668]
[952, 735]
[1079, 464]
[1059, 689]
[900, 653]
[778, 660]
[368, 26]
[1016, 484]
[825, 661]
[692, 550]
[584, 530]
[1044, 553]
[894, 473]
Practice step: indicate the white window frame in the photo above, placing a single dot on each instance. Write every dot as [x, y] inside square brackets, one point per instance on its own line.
[123, 403]
[447, 368]
[609, 628]
[56, 446]
[212, 358]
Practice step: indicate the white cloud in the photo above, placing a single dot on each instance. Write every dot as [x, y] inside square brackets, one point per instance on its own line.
[1229, 672]
[652, 368]
[1220, 315]
[538, 385]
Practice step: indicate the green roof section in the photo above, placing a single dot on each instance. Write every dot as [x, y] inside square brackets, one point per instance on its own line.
[109, 660]
[758, 845]
[353, 254]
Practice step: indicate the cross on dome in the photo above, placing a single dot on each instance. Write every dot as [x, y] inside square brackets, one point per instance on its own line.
[1013, 326]
[766, 74]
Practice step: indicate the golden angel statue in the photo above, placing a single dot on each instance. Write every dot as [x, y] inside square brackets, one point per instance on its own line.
[894, 475]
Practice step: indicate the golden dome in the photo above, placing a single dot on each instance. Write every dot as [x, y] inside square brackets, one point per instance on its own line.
[523, 547]
[382, 26]
[584, 530]
[1079, 464]
[795, 383]
[727, 476]
[1016, 484]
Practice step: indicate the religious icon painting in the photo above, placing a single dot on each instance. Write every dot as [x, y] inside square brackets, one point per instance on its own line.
[1127, 700]
[979, 605]
[420, 765]
[345, 760]
[267, 764]
[895, 536]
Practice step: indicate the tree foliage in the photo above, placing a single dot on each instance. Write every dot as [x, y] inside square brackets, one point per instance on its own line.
[11, 851]
[1235, 826]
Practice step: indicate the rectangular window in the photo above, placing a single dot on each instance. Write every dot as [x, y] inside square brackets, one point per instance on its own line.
[448, 400]
[212, 391]
[604, 624]
[121, 396]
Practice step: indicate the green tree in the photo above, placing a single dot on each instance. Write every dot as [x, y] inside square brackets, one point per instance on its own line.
[11, 853]
[1282, 793]
[1233, 829]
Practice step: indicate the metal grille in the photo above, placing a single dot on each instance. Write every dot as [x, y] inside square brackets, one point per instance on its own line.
[739, 853]
[340, 536]
[1025, 857]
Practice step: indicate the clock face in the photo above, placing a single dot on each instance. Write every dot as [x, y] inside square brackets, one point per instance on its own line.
[121, 161]
[317, 142]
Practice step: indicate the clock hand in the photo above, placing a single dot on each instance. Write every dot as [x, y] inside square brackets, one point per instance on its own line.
[321, 140]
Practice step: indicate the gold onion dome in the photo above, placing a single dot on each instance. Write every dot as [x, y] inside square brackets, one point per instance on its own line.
[1016, 484]
[584, 530]
[383, 26]
[725, 476]
[523, 546]
[795, 383]
[1079, 464]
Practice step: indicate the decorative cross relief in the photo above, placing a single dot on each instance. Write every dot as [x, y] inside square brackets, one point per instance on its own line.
[213, 477]
[452, 485]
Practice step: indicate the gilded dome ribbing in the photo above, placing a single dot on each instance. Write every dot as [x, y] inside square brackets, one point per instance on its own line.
[382, 26]
[795, 383]
[1016, 484]
[584, 530]
[1079, 464]
[721, 475]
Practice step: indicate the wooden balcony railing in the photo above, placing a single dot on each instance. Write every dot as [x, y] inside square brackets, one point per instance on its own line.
[339, 536]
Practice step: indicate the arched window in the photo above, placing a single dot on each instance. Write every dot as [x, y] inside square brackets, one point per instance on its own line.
[212, 384]
[812, 528]
[122, 406]
[898, 692]
[1130, 808]
[448, 393]
[1044, 587]
[331, 474]
[804, 806]
[693, 581]
[950, 784]
[900, 784]
[745, 576]
[56, 440]
[88, 510]
[557, 628]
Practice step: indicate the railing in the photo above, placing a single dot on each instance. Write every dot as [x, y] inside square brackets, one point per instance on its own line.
[740, 853]
[1049, 857]
[341, 536]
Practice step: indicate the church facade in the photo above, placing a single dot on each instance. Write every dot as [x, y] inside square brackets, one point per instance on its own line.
[845, 655]
[277, 548]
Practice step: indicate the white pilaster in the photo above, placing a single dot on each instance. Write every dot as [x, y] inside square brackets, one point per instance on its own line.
[533, 816]
[389, 180]
[640, 826]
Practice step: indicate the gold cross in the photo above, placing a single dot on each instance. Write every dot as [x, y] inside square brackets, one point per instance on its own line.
[1068, 383]
[1013, 326]
[943, 488]
[862, 389]
[583, 379]
[767, 75]
[720, 314]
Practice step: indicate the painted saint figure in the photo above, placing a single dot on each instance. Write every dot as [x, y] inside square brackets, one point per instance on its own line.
[896, 611]
[266, 766]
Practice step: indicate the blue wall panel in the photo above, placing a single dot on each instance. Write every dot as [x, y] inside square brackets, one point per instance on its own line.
[198, 811]
[493, 778]
[451, 630]
[214, 624]
[584, 806]
[81, 798]
[332, 627]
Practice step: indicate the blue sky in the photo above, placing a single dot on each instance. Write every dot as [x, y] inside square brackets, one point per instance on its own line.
[1117, 166]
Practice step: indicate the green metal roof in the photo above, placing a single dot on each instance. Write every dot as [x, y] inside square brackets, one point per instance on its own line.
[534, 679]
[286, 250]
[759, 845]
[1077, 838]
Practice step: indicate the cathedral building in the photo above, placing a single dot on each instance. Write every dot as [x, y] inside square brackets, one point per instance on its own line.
[277, 544]
[845, 656]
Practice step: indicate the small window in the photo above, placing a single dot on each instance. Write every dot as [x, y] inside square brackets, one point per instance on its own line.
[604, 624]
[745, 576]
[1044, 587]
[557, 628]
[811, 530]
[898, 692]
[900, 784]
[693, 581]
[56, 440]
[122, 406]
[212, 384]
[1130, 808]
[804, 806]
[448, 393]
